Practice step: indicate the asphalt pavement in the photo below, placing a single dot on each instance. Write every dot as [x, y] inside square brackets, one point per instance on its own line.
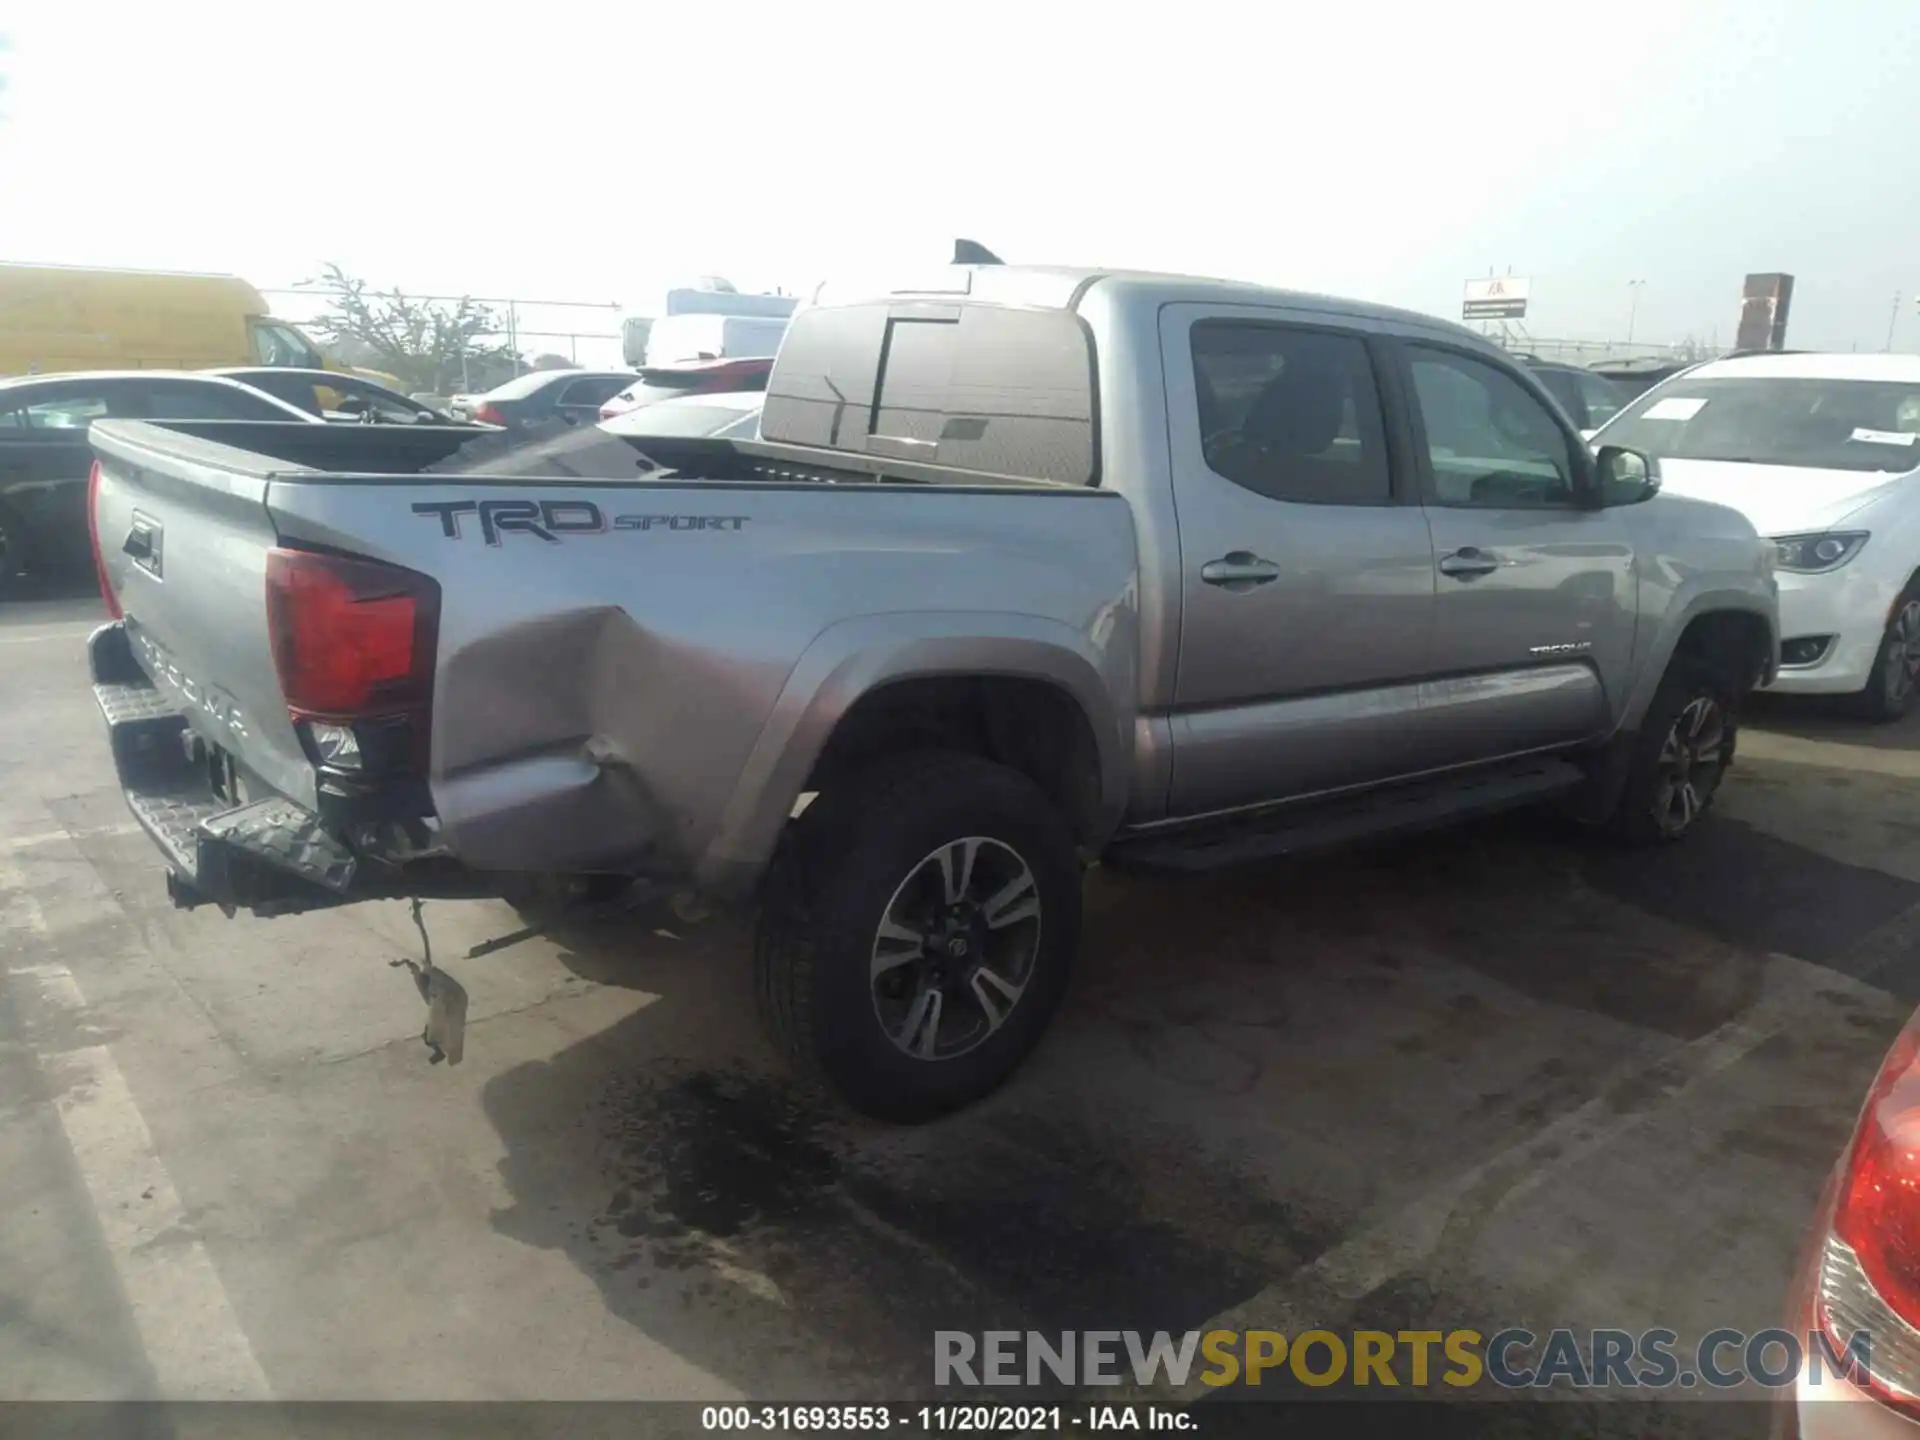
[1505, 1075]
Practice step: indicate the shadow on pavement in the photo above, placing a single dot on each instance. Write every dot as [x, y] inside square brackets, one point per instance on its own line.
[1144, 1170]
[745, 1220]
[39, 588]
[1819, 717]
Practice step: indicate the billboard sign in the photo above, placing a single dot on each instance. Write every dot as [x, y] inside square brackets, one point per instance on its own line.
[1501, 298]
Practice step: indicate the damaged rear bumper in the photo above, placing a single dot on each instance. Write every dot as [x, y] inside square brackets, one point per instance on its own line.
[270, 856]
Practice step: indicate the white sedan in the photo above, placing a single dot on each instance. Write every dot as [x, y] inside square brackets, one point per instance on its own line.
[1822, 453]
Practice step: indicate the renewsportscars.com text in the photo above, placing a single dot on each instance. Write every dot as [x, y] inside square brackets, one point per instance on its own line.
[1513, 1359]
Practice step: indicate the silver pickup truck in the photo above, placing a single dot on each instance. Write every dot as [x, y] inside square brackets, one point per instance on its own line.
[1026, 569]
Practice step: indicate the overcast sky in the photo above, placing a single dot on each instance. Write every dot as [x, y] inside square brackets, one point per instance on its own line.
[1385, 149]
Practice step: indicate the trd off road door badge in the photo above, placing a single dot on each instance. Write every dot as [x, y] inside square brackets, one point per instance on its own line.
[550, 519]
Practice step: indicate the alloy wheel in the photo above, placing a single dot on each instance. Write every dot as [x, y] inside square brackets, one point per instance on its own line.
[1692, 758]
[956, 948]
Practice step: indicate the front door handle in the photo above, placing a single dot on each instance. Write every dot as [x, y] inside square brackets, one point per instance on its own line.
[1467, 562]
[1239, 570]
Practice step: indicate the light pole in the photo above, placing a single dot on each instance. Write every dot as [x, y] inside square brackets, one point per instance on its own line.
[1633, 306]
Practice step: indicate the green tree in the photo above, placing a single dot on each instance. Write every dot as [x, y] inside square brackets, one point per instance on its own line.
[432, 345]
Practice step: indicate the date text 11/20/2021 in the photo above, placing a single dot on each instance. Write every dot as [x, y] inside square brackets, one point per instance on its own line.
[939, 1419]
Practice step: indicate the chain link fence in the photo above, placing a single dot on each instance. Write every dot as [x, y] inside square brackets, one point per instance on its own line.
[1591, 352]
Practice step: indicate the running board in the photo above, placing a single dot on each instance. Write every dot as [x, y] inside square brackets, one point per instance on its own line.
[1319, 825]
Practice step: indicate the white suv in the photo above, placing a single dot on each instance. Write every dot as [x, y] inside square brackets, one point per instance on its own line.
[1822, 453]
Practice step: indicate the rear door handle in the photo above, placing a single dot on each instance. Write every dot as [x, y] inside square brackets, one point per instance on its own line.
[1239, 570]
[1467, 562]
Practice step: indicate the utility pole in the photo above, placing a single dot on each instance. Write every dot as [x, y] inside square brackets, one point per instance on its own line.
[1633, 306]
[1892, 320]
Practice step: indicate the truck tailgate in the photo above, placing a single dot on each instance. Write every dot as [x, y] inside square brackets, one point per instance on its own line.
[185, 554]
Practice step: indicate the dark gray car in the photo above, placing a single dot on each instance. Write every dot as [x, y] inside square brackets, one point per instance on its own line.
[1589, 399]
[44, 455]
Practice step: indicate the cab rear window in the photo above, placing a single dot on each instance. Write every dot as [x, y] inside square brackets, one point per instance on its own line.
[982, 388]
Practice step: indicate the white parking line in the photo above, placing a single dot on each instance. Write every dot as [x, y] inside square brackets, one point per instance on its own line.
[1828, 754]
[14, 845]
[34, 637]
[187, 1325]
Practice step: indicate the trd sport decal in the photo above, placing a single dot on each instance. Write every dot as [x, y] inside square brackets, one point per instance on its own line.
[550, 519]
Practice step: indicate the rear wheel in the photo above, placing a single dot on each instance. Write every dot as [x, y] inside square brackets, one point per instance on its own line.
[917, 932]
[1888, 693]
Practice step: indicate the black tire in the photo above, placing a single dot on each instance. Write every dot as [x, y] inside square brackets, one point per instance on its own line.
[859, 854]
[1651, 811]
[1888, 694]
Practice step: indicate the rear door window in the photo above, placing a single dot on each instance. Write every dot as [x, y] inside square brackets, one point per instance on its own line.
[181, 400]
[294, 388]
[71, 412]
[1291, 414]
[591, 392]
[71, 408]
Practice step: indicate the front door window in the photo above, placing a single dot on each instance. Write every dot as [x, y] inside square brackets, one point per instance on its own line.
[277, 344]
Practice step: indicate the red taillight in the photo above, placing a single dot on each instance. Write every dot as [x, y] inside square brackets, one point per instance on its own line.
[1868, 1271]
[93, 535]
[489, 415]
[1878, 1207]
[352, 639]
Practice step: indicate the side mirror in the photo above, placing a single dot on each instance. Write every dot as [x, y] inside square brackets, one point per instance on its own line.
[1625, 477]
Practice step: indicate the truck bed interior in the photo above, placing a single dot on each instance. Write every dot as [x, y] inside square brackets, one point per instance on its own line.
[553, 452]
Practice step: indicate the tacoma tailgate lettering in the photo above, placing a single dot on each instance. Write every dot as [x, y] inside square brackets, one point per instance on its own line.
[550, 519]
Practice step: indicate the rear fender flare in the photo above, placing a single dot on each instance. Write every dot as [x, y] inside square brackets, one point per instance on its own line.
[852, 658]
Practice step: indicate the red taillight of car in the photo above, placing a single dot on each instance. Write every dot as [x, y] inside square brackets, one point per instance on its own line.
[352, 639]
[1870, 1267]
[489, 415]
[93, 535]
